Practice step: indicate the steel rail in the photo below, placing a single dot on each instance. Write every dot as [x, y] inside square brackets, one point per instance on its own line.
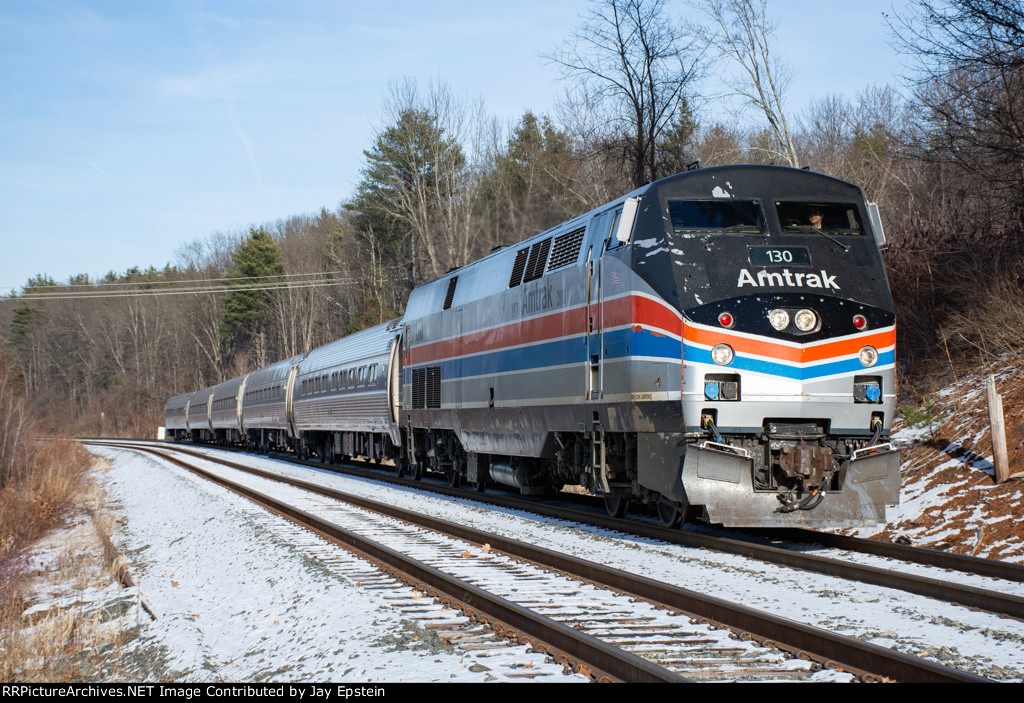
[918, 555]
[980, 566]
[983, 599]
[915, 555]
[854, 654]
[560, 640]
[970, 596]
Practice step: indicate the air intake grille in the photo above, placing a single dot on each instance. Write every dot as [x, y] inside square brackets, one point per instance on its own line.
[538, 257]
[451, 292]
[433, 386]
[419, 377]
[566, 249]
[518, 267]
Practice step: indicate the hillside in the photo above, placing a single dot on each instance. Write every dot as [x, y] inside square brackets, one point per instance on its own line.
[949, 499]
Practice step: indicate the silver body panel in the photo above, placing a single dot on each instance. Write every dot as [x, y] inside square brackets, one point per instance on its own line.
[518, 364]
[342, 386]
[175, 412]
[226, 408]
[199, 411]
[264, 399]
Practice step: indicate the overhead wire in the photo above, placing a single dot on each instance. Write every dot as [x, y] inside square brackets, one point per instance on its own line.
[198, 290]
[292, 281]
[222, 279]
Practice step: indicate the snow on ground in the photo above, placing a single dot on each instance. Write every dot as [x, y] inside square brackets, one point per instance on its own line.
[237, 599]
[949, 498]
[971, 640]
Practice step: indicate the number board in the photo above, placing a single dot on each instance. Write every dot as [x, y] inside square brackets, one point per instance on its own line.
[780, 256]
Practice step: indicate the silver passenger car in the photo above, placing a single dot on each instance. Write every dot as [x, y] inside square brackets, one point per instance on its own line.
[226, 410]
[264, 406]
[341, 400]
[199, 415]
[176, 416]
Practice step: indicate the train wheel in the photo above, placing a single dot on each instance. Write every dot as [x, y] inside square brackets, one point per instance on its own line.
[670, 514]
[401, 467]
[616, 506]
[480, 484]
[452, 474]
[455, 471]
[417, 471]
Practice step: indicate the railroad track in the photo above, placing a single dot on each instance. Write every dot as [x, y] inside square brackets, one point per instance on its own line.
[618, 640]
[764, 546]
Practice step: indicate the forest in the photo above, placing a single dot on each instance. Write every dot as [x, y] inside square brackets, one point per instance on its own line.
[444, 183]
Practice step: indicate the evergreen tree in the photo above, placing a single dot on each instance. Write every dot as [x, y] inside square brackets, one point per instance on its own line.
[26, 315]
[411, 185]
[525, 193]
[246, 309]
[676, 148]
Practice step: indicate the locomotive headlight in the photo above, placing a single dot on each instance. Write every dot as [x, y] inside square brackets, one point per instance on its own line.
[868, 356]
[779, 319]
[805, 320]
[722, 354]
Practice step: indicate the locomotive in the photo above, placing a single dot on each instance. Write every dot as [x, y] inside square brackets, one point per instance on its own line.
[718, 344]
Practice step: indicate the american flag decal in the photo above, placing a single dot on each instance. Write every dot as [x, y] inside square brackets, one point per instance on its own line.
[615, 277]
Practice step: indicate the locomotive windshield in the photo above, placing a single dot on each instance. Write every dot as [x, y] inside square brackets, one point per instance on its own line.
[833, 218]
[723, 215]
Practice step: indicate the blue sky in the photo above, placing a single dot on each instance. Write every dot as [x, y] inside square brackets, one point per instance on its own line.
[130, 128]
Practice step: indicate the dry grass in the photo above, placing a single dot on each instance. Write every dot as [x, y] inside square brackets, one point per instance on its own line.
[52, 479]
[55, 628]
[43, 502]
[60, 608]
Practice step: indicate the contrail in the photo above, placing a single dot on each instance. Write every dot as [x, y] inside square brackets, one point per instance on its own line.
[245, 141]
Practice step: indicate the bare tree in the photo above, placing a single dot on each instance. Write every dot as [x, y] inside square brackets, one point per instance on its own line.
[742, 33]
[632, 66]
[718, 144]
[204, 260]
[969, 57]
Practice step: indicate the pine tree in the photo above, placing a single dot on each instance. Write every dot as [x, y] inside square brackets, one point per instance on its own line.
[246, 309]
[26, 315]
[410, 184]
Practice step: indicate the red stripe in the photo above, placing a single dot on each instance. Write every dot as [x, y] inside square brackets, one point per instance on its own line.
[628, 310]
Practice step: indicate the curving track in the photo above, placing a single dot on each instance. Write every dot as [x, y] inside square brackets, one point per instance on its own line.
[621, 624]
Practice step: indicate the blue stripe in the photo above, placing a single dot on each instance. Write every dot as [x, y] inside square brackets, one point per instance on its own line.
[798, 373]
[571, 350]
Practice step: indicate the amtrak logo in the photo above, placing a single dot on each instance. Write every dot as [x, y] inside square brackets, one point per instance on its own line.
[766, 279]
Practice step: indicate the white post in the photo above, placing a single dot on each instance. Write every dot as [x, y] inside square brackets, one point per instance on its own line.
[995, 418]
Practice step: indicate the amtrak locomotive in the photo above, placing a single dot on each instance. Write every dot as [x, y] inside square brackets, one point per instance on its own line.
[719, 344]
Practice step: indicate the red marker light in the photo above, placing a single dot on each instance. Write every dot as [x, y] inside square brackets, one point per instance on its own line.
[726, 320]
[860, 322]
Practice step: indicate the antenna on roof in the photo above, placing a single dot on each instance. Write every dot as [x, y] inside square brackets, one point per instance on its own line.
[694, 166]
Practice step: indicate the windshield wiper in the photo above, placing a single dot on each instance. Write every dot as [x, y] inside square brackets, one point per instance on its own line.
[744, 229]
[808, 228]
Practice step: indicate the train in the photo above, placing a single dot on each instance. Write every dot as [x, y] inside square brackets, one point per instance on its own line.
[718, 345]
